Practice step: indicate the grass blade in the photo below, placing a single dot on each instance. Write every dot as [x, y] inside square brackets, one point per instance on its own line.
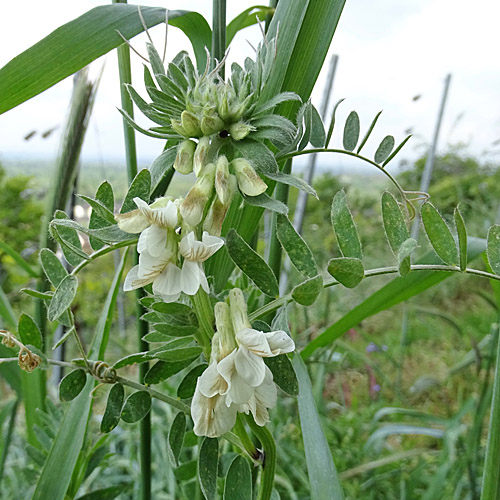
[76, 44]
[323, 477]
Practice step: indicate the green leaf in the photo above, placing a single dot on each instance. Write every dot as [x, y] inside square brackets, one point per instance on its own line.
[108, 493]
[396, 231]
[491, 481]
[187, 386]
[351, 131]
[265, 201]
[140, 188]
[182, 354]
[208, 462]
[238, 485]
[439, 235]
[52, 267]
[307, 292]
[395, 292]
[37, 294]
[318, 137]
[69, 241]
[332, 123]
[493, 249]
[114, 405]
[368, 132]
[292, 180]
[344, 227]
[104, 195]
[162, 370]
[396, 151]
[462, 238]
[323, 477]
[247, 18]
[63, 297]
[132, 359]
[72, 384]
[28, 330]
[259, 156]
[347, 270]
[186, 471]
[100, 209]
[171, 308]
[19, 259]
[110, 234]
[76, 44]
[252, 264]
[384, 149]
[176, 438]
[297, 249]
[405, 250]
[136, 407]
[160, 166]
[283, 374]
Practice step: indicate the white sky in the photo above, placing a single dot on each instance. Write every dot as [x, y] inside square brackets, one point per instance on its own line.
[390, 51]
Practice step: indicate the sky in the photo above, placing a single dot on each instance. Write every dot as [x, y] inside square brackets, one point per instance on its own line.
[393, 56]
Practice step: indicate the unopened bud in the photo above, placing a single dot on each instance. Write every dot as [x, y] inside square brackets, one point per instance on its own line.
[240, 130]
[191, 124]
[177, 126]
[222, 180]
[210, 124]
[224, 328]
[223, 107]
[238, 307]
[193, 206]
[215, 218]
[249, 181]
[238, 110]
[184, 158]
[200, 154]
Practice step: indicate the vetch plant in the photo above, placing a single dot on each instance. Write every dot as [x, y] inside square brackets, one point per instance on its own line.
[211, 319]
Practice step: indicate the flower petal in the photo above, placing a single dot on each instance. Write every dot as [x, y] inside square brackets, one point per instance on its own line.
[132, 222]
[211, 416]
[254, 341]
[279, 342]
[132, 281]
[240, 392]
[211, 382]
[226, 367]
[199, 251]
[250, 366]
[168, 282]
[190, 277]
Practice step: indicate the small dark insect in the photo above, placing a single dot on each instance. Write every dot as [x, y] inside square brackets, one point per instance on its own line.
[223, 134]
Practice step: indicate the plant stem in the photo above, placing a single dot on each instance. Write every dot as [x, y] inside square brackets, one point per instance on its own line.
[101, 252]
[277, 303]
[142, 326]
[240, 431]
[269, 463]
[218, 33]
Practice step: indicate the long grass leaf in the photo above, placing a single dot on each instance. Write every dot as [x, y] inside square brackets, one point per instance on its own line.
[76, 44]
[323, 477]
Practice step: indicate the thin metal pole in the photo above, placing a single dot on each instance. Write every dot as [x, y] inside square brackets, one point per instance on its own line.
[429, 164]
[300, 207]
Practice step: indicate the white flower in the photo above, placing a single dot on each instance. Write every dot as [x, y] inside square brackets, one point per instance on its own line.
[212, 416]
[148, 269]
[162, 212]
[172, 281]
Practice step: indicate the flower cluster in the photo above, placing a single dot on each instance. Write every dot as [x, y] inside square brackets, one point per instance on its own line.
[162, 244]
[237, 379]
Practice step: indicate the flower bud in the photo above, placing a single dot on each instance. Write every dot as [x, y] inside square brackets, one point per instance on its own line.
[222, 180]
[184, 158]
[200, 154]
[191, 124]
[239, 109]
[193, 206]
[177, 126]
[249, 181]
[240, 130]
[223, 107]
[210, 124]
[238, 307]
[224, 328]
[215, 217]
